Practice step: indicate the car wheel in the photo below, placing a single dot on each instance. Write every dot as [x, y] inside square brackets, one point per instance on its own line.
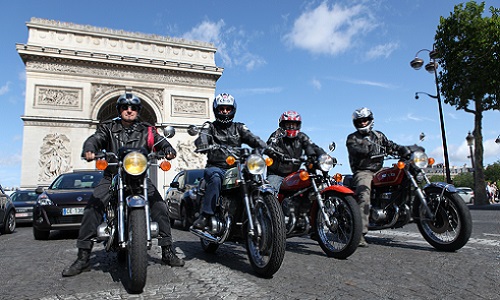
[41, 234]
[10, 222]
[471, 200]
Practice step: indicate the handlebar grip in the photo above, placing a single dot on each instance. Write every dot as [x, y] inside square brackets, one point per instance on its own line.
[377, 156]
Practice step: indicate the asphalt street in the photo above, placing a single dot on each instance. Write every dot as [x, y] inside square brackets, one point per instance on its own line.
[397, 264]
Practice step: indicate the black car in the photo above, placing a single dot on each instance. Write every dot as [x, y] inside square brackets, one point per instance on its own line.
[60, 206]
[24, 200]
[7, 213]
[180, 204]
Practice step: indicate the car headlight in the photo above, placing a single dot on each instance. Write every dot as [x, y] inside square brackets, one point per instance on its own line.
[256, 164]
[135, 163]
[419, 159]
[43, 199]
[325, 162]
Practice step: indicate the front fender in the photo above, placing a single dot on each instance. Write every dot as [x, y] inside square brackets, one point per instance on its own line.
[136, 201]
[339, 189]
[441, 185]
[267, 188]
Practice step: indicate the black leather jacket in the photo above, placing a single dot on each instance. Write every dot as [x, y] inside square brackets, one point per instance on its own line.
[361, 150]
[291, 148]
[233, 134]
[111, 135]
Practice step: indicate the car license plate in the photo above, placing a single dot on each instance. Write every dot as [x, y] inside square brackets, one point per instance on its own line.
[22, 215]
[72, 211]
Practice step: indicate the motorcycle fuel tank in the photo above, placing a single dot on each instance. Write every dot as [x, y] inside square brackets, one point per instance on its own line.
[388, 176]
[293, 182]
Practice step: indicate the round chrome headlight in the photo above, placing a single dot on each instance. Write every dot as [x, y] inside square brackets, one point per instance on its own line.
[420, 159]
[325, 162]
[135, 163]
[256, 164]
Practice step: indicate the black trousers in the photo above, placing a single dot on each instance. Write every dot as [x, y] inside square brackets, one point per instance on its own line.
[94, 212]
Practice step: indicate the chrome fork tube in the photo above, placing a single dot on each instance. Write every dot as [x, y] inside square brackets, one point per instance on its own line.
[244, 186]
[420, 193]
[146, 211]
[319, 199]
[121, 212]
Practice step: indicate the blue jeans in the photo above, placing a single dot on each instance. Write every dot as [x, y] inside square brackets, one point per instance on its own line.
[275, 181]
[213, 180]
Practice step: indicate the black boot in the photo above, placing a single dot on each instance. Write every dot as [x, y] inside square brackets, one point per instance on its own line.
[169, 257]
[80, 265]
[202, 222]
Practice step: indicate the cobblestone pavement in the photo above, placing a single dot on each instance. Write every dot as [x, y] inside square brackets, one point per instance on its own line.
[397, 264]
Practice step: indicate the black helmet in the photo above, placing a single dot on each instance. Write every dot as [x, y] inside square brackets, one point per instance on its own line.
[360, 115]
[224, 99]
[128, 99]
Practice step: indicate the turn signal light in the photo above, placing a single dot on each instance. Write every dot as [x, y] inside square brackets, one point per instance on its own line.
[400, 165]
[304, 175]
[337, 177]
[165, 165]
[101, 164]
[269, 161]
[230, 160]
[431, 161]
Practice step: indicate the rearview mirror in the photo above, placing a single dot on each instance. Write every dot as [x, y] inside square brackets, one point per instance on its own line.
[193, 130]
[332, 146]
[169, 131]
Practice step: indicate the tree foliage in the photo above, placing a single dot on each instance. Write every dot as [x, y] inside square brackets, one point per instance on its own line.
[468, 46]
[492, 172]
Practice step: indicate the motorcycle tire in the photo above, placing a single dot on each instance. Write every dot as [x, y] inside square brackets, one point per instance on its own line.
[342, 240]
[266, 247]
[137, 250]
[452, 226]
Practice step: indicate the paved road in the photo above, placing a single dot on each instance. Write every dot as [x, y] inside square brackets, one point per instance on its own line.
[397, 264]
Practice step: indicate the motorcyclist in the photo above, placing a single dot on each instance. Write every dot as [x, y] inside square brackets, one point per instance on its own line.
[293, 144]
[125, 130]
[363, 145]
[223, 131]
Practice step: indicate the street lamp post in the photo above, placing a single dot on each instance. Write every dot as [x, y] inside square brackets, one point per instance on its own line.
[470, 142]
[431, 67]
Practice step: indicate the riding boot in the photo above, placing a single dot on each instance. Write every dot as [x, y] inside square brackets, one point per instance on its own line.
[202, 221]
[80, 265]
[169, 257]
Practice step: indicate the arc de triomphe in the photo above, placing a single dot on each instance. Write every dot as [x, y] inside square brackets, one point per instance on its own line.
[74, 75]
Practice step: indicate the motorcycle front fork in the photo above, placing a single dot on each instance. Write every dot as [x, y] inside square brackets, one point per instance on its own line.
[321, 205]
[420, 194]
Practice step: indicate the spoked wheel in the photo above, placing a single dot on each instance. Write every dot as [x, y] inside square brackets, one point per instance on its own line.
[451, 227]
[266, 246]
[137, 250]
[341, 239]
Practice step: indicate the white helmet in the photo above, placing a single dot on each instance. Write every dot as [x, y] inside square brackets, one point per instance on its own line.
[360, 116]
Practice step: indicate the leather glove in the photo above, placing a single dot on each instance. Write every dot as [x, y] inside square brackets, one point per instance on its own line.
[170, 152]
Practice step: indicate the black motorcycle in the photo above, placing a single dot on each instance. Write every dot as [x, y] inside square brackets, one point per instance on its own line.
[247, 211]
[127, 228]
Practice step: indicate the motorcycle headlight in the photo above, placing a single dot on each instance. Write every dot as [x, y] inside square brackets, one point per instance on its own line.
[325, 162]
[256, 164]
[135, 163]
[419, 159]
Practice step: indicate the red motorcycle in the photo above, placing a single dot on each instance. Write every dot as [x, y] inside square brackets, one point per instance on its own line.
[313, 202]
[402, 194]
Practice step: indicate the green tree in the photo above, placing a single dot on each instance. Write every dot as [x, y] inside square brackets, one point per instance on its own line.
[464, 179]
[492, 172]
[468, 46]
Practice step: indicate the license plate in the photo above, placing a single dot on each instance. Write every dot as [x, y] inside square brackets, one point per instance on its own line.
[22, 215]
[72, 211]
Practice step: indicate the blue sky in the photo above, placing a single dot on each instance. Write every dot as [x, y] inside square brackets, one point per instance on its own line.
[323, 59]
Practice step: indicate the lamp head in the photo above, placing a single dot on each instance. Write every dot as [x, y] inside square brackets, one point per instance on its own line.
[470, 139]
[417, 63]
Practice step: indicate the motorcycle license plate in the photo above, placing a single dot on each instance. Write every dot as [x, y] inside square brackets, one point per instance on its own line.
[72, 211]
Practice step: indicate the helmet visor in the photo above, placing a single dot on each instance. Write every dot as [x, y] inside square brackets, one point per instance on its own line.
[362, 122]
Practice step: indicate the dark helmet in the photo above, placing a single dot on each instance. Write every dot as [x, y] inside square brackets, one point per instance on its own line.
[291, 122]
[224, 99]
[128, 99]
[359, 116]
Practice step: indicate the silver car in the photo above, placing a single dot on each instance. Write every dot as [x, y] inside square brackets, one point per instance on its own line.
[467, 194]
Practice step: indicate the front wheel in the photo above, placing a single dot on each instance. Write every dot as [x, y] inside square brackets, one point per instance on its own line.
[266, 245]
[10, 222]
[341, 239]
[451, 227]
[137, 255]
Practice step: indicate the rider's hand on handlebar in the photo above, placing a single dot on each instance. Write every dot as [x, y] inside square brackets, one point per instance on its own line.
[170, 152]
[89, 156]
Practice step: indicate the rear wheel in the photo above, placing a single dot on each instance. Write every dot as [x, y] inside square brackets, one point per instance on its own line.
[41, 234]
[10, 222]
[266, 246]
[341, 239]
[451, 227]
[137, 255]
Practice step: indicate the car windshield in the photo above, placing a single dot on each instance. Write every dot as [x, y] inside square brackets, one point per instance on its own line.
[24, 196]
[74, 181]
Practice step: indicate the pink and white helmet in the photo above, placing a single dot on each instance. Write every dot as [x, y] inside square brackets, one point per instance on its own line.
[290, 121]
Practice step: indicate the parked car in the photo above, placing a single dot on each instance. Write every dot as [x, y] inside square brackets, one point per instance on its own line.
[60, 206]
[7, 213]
[24, 200]
[178, 204]
[467, 194]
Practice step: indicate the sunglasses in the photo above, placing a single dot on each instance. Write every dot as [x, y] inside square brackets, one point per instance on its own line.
[225, 108]
[126, 107]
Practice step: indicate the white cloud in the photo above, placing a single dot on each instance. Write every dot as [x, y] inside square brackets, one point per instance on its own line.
[365, 82]
[232, 44]
[384, 50]
[316, 84]
[4, 89]
[331, 31]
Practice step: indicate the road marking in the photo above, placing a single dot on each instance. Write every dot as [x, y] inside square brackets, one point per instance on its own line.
[413, 235]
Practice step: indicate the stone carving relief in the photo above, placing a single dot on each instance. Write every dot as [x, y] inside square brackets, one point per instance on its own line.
[62, 98]
[55, 157]
[190, 107]
[187, 158]
[109, 72]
